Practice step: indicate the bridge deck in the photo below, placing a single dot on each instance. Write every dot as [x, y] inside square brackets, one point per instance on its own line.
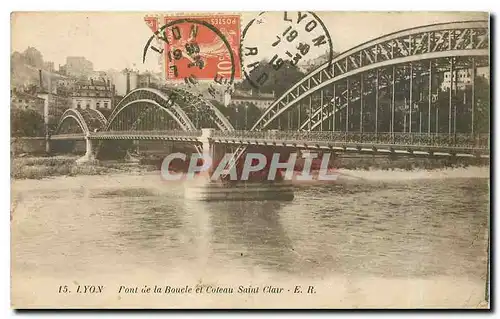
[398, 143]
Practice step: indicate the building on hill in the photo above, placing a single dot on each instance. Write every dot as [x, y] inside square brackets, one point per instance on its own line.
[41, 97]
[462, 78]
[125, 81]
[49, 66]
[148, 79]
[77, 66]
[261, 100]
[100, 76]
[65, 87]
[122, 82]
[25, 100]
[33, 57]
[92, 94]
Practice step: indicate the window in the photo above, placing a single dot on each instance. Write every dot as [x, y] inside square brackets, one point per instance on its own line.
[87, 105]
[98, 104]
[78, 105]
[106, 104]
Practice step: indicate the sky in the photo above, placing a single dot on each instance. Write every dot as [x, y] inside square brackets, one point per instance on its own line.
[115, 40]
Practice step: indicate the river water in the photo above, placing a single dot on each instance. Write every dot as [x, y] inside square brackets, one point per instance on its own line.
[373, 239]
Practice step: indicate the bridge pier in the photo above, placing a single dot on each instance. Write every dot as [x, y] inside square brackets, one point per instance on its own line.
[206, 134]
[130, 155]
[48, 148]
[205, 189]
[210, 149]
[89, 152]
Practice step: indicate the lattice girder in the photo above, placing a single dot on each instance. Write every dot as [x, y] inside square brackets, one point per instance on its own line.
[196, 103]
[157, 98]
[80, 121]
[455, 39]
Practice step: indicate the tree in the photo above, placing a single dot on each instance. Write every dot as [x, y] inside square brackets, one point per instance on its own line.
[224, 110]
[26, 123]
[244, 115]
[278, 81]
[461, 105]
[483, 105]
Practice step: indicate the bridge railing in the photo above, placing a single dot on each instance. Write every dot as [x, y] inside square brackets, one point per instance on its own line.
[68, 135]
[459, 140]
[173, 133]
[423, 139]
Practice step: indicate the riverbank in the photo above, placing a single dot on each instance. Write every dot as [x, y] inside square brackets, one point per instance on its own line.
[42, 167]
[402, 162]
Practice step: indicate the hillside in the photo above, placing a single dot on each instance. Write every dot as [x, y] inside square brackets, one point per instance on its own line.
[24, 69]
[309, 65]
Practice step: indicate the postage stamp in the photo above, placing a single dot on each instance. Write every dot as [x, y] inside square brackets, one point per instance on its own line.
[199, 47]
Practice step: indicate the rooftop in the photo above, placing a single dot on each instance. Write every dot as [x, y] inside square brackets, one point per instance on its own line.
[25, 95]
[92, 82]
[251, 95]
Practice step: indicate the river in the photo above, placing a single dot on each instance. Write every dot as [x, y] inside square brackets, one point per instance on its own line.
[373, 239]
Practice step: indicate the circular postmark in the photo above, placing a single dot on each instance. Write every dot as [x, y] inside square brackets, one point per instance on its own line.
[194, 49]
[289, 37]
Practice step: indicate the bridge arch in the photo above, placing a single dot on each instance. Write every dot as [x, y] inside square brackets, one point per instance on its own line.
[87, 120]
[155, 98]
[200, 104]
[177, 103]
[455, 39]
[158, 106]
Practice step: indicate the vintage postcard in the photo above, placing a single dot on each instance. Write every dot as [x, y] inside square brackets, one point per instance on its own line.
[255, 160]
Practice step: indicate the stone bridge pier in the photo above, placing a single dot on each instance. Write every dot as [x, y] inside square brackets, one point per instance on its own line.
[205, 188]
[215, 151]
[90, 151]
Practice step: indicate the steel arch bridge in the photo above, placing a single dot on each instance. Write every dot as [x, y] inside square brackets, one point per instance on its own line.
[80, 122]
[148, 109]
[387, 65]
[386, 93]
[398, 66]
[146, 113]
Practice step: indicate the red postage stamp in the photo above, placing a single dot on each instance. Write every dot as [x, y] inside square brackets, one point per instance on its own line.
[201, 47]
